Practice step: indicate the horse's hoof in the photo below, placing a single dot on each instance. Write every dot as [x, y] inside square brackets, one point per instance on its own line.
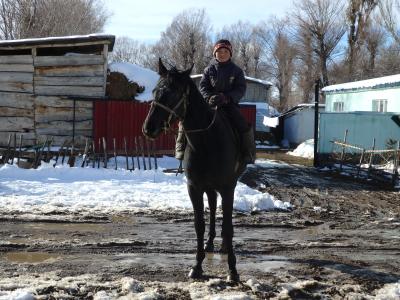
[233, 277]
[195, 273]
[209, 248]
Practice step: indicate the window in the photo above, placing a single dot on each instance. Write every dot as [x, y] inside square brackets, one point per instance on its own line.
[338, 106]
[379, 105]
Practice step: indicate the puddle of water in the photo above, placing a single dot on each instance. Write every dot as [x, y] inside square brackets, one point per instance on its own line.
[125, 219]
[263, 263]
[25, 257]
[91, 227]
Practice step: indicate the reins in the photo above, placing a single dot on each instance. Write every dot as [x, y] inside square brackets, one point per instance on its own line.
[172, 112]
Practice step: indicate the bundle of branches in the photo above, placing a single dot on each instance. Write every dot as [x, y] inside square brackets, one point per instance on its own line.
[120, 88]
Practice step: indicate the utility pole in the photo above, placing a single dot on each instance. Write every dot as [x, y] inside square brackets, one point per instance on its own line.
[316, 121]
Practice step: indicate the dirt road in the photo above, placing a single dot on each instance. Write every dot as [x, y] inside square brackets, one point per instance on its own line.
[341, 240]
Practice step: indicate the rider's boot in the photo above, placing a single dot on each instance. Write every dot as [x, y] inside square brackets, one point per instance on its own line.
[180, 145]
[248, 146]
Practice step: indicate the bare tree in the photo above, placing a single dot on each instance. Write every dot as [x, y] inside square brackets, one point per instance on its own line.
[279, 55]
[187, 41]
[374, 41]
[358, 15]
[325, 21]
[306, 71]
[390, 12]
[41, 18]
[129, 50]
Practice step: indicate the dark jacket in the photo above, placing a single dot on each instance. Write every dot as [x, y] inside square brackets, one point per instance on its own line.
[226, 78]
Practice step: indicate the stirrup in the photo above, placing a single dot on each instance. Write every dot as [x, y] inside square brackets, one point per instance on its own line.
[180, 168]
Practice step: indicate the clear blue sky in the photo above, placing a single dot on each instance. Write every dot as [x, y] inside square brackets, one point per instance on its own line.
[144, 20]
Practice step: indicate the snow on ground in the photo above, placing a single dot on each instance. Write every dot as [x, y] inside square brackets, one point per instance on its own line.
[87, 190]
[305, 149]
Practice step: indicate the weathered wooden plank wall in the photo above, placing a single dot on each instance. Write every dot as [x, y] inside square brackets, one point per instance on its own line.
[16, 97]
[37, 95]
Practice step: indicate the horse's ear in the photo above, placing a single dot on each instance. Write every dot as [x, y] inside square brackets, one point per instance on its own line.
[162, 70]
[189, 71]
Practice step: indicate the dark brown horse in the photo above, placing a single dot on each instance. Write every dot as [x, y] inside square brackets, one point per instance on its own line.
[212, 157]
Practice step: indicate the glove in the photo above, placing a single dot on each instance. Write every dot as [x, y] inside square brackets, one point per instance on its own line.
[218, 100]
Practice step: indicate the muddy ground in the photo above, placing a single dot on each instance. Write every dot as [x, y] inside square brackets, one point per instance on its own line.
[341, 240]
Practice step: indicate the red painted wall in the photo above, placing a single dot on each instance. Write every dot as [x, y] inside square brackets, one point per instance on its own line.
[119, 119]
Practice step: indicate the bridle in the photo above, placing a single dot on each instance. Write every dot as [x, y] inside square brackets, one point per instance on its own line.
[173, 113]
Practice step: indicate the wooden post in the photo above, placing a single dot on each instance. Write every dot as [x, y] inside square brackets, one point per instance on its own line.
[148, 153]
[85, 152]
[14, 148]
[59, 153]
[371, 158]
[64, 154]
[126, 154]
[105, 152]
[154, 153]
[343, 150]
[396, 153]
[47, 158]
[142, 152]
[94, 153]
[115, 154]
[133, 160]
[316, 121]
[99, 151]
[361, 160]
[6, 153]
[39, 156]
[20, 149]
[71, 160]
[137, 153]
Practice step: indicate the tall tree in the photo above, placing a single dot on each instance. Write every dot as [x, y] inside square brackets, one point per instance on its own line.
[41, 18]
[325, 21]
[187, 40]
[358, 15]
[375, 39]
[390, 12]
[306, 70]
[279, 55]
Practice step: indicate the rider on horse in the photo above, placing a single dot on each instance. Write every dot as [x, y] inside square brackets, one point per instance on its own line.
[223, 84]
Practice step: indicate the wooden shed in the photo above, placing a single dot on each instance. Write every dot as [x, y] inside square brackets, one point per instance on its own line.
[48, 86]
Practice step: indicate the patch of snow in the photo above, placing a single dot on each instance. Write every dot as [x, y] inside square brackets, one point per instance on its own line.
[305, 149]
[90, 190]
[142, 76]
[363, 83]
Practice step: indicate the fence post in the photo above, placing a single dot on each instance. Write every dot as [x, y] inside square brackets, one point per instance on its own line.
[343, 147]
[396, 153]
[361, 160]
[371, 158]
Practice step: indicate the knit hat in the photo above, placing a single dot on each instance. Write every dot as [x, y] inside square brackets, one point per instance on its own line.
[222, 44]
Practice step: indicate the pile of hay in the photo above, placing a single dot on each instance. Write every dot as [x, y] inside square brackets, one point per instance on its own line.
[120, 88]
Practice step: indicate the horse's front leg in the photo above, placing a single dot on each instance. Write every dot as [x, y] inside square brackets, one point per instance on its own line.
[212, 204]
[196, 196]
[227, 232]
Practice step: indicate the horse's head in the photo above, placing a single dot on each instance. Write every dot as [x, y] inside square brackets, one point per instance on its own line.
[170, 100]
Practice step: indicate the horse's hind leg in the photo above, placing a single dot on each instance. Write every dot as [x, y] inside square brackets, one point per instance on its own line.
[227, 232]
[196, 196]
[212, 204]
